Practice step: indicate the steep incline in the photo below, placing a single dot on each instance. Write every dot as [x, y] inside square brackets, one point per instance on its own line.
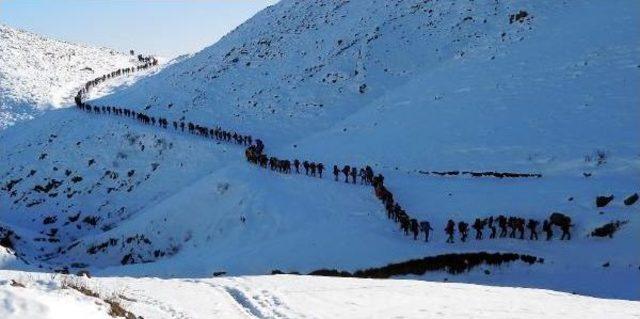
[38, 73]
[405, 86]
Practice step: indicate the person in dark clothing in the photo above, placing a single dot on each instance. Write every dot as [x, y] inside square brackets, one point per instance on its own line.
[546, 227]
[320, 169]
[354, 174]
[405, 224]
[450, 230]
[389, 207]
[397, 212]
[502, 222]
[312, 167]
[565, 231]
[532, 225]
[259, 145]
[511, 222]
[296, 164]
[492, 227]
[346, 170]
[378, 181]
[369, 174]
[336, 172]
[520, 225]
[363, 176]
[463, 228]
[425, 227]
[305, 164]
[414, 228]
[478, 225]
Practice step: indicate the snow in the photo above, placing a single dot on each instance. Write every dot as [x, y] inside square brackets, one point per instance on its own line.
[288, 296]
[42, 301]
[38, 73]
[442, 93]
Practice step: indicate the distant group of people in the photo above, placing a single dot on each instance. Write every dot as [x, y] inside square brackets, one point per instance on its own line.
[513, 227]
[196, 129]
[255, 155]
[148, 62]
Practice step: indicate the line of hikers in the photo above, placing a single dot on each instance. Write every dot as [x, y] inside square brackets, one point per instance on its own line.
[149, 61]
[254, 154]
[196, 129]
[513, 227]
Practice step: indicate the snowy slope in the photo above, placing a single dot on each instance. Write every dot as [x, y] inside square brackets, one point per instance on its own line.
[294, 297]
[405, 86]
[38, 73]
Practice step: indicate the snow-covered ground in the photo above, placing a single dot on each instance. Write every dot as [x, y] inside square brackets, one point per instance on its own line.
[39, 73]
[405, 86]
[290, 296]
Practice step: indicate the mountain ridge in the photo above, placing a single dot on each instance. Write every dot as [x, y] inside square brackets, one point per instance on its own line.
[39, 73]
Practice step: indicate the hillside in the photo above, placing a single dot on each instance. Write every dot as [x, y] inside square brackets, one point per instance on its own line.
[408, 87]
[39, 73]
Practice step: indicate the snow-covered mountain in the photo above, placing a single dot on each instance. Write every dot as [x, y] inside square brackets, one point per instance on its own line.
[39, 73]
[408, 87]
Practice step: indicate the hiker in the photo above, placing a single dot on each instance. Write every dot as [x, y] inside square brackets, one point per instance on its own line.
[354, 173]
[502, 223]
[397, 211]
[520, 226]
[305, 164]
[463, 228]
[363, 176]
[312, 167]
[492, 227]
[425, 226]
[336, 172]
[546, 227]
[378, 181]
[414, 228]
[511, 222]
[346, 171]
[563, 221]
[259, 145]
[532, 225]
[389, 207]
[478, 225]
[565, 231]
[404, 222]
[296, 164]
[320, 169]
[369, 174]
[450, 230]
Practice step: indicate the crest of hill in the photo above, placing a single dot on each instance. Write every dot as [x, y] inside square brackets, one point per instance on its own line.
[39, 73]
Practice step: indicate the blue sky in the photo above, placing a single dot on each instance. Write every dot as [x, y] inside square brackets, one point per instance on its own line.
[163, 27]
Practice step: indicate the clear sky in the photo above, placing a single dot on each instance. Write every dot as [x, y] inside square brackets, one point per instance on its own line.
[163, 27]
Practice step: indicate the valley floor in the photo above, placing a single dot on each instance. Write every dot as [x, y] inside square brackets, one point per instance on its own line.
[290, 296]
